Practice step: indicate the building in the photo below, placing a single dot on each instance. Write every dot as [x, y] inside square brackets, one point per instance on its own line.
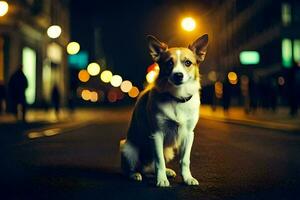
[24, 40]
[257, 39]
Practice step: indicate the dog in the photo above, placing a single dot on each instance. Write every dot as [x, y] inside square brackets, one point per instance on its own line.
[166, 114]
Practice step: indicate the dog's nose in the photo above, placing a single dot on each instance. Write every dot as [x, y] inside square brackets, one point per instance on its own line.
[178, 77]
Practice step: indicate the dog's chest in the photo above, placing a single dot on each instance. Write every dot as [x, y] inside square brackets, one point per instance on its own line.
[180, 112]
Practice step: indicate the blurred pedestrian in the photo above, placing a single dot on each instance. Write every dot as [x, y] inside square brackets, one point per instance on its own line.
[16, 87]
[226, 95]
[2, 97]
[293, 90]
[55, 98]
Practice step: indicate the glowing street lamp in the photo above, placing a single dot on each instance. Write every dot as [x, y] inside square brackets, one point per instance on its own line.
[116, 80]
[54, 31]
[73, 48]
[3, 8]
[93, 69]
[106, 76]
[188, 24]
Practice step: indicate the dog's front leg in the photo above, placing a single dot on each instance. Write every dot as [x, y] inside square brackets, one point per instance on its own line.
[185, 153]
[160, 165]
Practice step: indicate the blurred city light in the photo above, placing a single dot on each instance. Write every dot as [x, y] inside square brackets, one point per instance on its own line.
[219, 89]
[54, 31]
[151, 76]
[112, 96]
[73, 48]
[116, 80]
[86, 95]
[153, 67]
[126, 86]
[232, 77]
[93, 69]
[79, 60]
[249, 57]
[212, 76]
[286, 14]
[29, 68]
[287, 53]
[93, 96]
[296, 50]
[281, 81]
[134, 92]
[3, 8]
[188, 24]
[106, 76]
[83, 75]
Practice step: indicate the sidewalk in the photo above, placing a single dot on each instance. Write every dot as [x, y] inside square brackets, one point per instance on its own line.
[279, 120]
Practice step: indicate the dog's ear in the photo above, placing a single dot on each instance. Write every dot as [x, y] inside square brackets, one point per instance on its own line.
[156, 47]
[199, 47]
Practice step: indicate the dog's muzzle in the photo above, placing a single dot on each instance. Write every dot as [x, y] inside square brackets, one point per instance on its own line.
[177, 78]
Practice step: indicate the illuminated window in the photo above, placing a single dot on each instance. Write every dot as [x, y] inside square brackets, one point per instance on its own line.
[286, 16]
[296, 50]
[286, 53]
[249, 57]
[29, 69]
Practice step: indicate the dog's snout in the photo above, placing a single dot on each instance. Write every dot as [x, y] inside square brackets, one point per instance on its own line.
[177, 78]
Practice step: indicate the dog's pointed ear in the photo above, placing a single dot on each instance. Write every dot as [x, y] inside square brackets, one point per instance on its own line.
[156, 47]
[199, 47]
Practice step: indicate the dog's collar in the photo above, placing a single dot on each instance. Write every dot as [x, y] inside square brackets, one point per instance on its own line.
[179, 100]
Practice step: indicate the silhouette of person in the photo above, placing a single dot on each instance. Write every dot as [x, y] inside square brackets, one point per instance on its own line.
[292, 90]
[226, 95]
[55, 97]
[16, 87]
[2, 97]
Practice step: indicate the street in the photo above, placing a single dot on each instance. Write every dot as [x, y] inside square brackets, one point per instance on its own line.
[80, 160]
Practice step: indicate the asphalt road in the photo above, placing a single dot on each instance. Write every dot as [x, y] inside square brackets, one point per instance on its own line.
[82, 162]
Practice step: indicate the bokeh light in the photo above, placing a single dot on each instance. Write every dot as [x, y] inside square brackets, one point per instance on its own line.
[73, 48]
[93, 69]
[54, 31]
[116, 80]
[232, 77]
[134, 92]
[126, 86]
[212, 76]
[281, 81]
[86, 95]
[151, 76]
[93, 96]
[188, 24]
[112, 96]
[83, 75]
[219, 89]
[106, 76]
[3, 8]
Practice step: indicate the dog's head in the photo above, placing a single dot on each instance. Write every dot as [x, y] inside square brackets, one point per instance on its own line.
[178, 66]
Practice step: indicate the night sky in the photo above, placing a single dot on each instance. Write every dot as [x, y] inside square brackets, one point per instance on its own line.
[124, 25]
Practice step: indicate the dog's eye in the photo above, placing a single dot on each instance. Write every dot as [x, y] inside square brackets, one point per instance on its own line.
[187, 63]
[170, 63]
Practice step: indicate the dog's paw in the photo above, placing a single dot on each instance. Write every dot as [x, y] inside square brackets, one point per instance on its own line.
[191, 181]
[170, 173]
[136, 176]
[162, 182]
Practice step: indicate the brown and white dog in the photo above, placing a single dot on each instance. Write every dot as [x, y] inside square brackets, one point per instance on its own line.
[166, 114]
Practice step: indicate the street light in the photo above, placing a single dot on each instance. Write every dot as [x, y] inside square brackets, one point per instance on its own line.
[3, 8]
[73, 48]
[188, 24]
[54, 31]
